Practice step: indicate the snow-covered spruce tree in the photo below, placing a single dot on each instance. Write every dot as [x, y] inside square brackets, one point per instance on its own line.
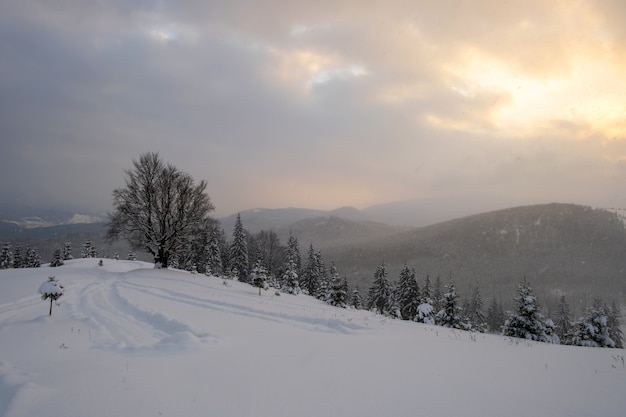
[293, 252]
[33, 260]
[213, 256]
[57, 257]
[450, 313]
[18, 260]
[615, 328]
[67, 251]
[290, 283]
[239, 251]
[408, 295]
[157, 208]
[474, 312]
[381, 292]
[338, 295]
[323, 290]
[51, 289]
[425, 314]
[592, 329]
[258, 276]
[310, 274]
[527, 322]
[86, 249]
[495, 316]
[356, 301]
[563, 323]
[6, 256]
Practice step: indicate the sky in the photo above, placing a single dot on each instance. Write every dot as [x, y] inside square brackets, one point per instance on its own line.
[316, 104]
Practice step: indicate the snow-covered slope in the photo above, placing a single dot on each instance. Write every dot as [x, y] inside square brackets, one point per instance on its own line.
[128, 340]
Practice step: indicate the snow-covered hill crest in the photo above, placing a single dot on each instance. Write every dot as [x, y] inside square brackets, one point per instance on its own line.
[130, 340]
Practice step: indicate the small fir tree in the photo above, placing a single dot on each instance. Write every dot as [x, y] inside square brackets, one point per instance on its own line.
[57, 257]
[527, 322]
[290, 283]
[356, 301]
[495, 316]
[323, 289]
[450, 313]
[51, 289]
[18, 260]
[615, 328]
[67, 251]
[474, 312]
[592, 329]
[239, 252]
[381, 292]
[259, 276]
[408, 297]
[563, 324]
[33, 259]
[338, 295]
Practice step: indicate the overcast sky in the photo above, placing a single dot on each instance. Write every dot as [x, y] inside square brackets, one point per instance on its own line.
[316, 104]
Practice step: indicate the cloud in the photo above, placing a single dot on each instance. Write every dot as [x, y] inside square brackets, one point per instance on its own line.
[315, 104]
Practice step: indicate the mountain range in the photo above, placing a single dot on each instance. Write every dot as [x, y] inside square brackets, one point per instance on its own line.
[562, 249]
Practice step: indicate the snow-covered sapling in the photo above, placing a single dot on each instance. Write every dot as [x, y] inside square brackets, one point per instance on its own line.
[51, 289]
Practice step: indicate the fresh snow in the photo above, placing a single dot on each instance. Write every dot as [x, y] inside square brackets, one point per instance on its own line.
[130, 340]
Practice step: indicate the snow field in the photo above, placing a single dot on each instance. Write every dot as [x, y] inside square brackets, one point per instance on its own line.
[130, 340]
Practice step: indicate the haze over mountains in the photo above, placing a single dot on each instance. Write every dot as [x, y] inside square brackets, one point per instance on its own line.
[562, 249]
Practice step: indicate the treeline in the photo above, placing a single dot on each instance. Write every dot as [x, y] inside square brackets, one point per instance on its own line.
[261, 260]
[28, 257]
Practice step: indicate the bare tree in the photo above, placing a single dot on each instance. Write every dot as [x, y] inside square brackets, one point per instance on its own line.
[159, 209]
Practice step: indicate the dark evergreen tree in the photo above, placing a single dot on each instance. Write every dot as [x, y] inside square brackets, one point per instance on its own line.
[67, 251]
[427, 294]
[57, 257]
[89, 251]
[338, 296]
[32, 258]
[18, 260]
[323, 290]
[475, 312]
[408, 295]
[381, 292]
[310, 274]
[615, 329]
[437, 296]
[6, 256]
[592, 329]
[213, 255]
[293, 252]
[527, 322]
[239, 252]
[563, 324]
[495, 317]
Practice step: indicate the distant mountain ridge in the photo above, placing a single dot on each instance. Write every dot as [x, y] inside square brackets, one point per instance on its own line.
[562, 249]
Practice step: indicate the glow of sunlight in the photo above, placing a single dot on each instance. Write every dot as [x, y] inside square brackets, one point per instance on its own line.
[591, 95]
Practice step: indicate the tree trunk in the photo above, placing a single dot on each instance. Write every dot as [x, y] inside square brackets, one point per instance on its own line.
[50, 314]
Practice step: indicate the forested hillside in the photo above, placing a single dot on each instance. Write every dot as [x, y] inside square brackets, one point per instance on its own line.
[564, 249]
